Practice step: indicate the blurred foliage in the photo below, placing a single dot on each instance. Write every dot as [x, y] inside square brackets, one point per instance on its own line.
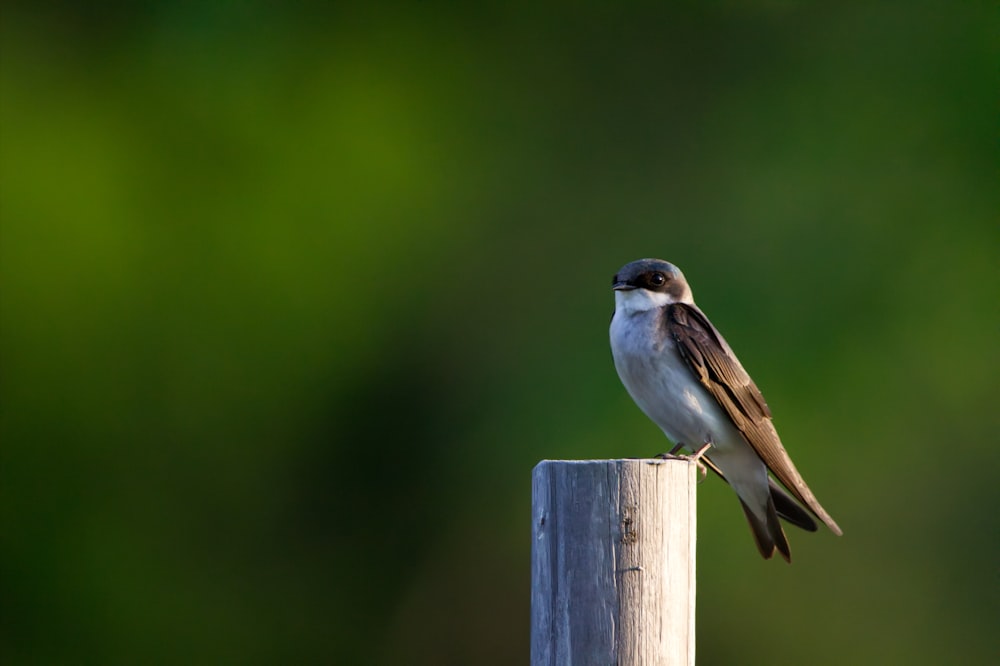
[295, 296]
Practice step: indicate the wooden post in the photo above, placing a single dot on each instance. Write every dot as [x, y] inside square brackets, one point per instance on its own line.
[612, 563]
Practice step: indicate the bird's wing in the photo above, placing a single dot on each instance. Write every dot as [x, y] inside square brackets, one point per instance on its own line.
[715, 365]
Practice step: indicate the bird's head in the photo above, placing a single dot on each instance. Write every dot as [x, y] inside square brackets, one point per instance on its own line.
[649, 283]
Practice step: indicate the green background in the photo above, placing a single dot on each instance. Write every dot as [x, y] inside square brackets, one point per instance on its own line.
[295, 296]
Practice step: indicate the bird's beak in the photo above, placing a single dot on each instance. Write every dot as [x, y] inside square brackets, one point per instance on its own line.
[622, 286]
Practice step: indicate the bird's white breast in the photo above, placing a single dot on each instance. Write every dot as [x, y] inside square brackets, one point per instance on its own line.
[663, 386]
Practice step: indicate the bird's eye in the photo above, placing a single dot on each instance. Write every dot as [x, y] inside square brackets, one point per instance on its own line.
[657, 279]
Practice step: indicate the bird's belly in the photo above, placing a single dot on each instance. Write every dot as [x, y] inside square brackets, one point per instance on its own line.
[666, 391]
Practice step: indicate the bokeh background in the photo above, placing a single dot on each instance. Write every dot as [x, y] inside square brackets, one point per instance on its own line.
[294, 296]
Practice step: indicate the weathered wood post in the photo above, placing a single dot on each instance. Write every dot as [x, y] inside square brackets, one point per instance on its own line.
[612, 563]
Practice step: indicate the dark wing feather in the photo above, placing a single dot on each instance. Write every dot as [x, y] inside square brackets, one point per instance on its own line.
[717, 368]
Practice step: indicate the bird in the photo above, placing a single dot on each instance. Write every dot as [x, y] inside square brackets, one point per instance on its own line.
[684, 376]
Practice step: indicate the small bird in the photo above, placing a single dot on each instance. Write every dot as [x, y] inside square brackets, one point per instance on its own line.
[682, 373]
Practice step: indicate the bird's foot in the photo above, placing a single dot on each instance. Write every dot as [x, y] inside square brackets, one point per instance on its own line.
[700, 452]
[674, 454]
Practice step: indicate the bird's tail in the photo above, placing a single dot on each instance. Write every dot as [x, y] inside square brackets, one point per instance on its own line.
[784, 504]
[788, 509]
[768, 533]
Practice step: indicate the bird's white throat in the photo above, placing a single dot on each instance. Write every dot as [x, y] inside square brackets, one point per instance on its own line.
[642, 300]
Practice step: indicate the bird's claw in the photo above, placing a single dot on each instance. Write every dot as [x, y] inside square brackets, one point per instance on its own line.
[674, 454]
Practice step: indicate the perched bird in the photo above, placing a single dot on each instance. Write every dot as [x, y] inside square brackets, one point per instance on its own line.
[681, 372]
